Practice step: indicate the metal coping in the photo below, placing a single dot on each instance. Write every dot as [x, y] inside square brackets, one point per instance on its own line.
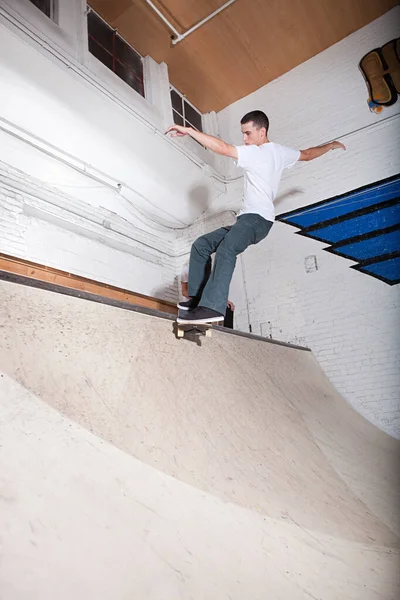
[59, 289]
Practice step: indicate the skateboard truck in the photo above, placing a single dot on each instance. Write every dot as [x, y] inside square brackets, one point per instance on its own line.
[197, 329]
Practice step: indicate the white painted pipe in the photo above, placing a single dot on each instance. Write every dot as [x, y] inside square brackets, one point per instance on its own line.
[220, 9]
[181, 36]
[158, 11]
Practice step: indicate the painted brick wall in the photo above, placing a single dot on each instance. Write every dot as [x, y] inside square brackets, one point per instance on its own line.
[350, 320]
[32, 227]
[12, 223]
[68, 124]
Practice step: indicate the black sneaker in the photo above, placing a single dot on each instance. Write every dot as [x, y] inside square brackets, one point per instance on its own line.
[188, 304]
[202, 314]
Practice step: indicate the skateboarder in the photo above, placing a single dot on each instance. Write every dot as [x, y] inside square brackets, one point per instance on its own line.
[263, 163]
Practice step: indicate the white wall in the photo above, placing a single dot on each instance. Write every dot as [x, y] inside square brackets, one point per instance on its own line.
[350, 320]
[60, 231]
[72, 130]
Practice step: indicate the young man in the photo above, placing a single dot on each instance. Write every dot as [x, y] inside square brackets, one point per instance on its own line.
[263, 163]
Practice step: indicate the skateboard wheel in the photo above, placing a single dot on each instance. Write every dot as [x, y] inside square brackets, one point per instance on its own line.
[208, 332]
[180, 333]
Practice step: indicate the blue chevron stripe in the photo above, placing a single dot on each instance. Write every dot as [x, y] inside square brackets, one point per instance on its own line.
[362, 225]
[311, 215]
[387, 270]
[386, 243]
[357, 226]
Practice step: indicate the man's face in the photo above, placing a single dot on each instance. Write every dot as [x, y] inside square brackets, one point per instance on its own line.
[252, 135]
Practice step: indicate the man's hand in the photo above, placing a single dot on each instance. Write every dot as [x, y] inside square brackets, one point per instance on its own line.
[337, 145]
[231, 305]
[178, 130]
[312, 153]
[208, 141]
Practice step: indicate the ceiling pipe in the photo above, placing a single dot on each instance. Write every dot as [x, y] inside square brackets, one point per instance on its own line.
[158, 11]
[181, 36]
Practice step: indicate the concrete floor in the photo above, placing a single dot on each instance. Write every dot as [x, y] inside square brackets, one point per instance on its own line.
[141, 467]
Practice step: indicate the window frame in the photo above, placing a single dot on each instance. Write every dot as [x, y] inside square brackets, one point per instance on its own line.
[183, 98]
[113, 55]
[54, 12]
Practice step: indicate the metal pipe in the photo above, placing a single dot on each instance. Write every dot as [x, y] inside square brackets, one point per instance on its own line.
[158, 11]
[189, 31]
[181, 36]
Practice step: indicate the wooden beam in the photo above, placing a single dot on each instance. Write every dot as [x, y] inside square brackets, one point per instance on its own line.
[20, 266]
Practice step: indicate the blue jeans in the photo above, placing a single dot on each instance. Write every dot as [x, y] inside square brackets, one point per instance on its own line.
[212, 287]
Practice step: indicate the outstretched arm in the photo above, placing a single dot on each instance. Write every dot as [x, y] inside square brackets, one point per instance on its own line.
[312, 153]
[209, 141]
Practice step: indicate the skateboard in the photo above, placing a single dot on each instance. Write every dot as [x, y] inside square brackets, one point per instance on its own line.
[199, 328]
[195, 328]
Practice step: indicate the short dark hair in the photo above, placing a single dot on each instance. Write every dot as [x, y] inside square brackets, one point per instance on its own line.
[258, 117]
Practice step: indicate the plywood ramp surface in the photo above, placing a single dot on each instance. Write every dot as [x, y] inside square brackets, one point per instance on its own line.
[136, 465]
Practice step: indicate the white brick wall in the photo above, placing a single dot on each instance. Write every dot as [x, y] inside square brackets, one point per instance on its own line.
[68, 120]
[12, 224]
[41, 225]
[68, 124]
[350, 320]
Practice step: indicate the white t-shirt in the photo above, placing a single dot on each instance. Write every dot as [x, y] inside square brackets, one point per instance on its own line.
[263, 166]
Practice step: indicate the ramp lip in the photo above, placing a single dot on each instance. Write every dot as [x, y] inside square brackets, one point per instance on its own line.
[60, 289]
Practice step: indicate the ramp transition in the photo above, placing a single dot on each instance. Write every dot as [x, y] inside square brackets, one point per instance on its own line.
[136, 465]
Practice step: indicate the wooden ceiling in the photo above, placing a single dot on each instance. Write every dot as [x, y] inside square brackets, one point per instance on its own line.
[244, 47]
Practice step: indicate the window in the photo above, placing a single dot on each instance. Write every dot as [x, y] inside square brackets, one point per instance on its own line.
[114, 52]
[46, 6]
[184, 113]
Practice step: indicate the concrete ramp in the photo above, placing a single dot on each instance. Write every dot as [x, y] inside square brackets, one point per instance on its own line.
[137, 466]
